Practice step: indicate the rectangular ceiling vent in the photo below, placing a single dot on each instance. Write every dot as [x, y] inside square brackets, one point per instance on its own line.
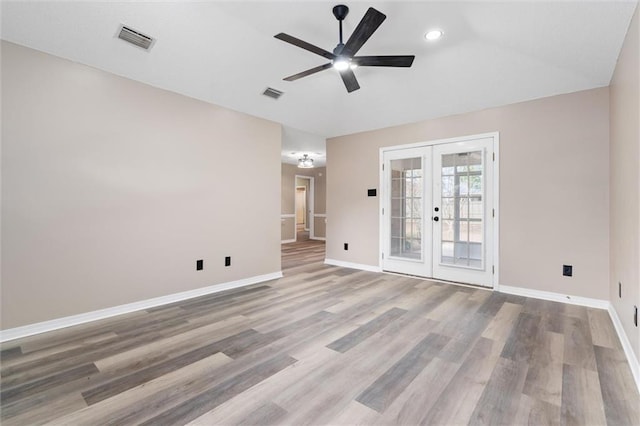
[272, 93]
[135, 37]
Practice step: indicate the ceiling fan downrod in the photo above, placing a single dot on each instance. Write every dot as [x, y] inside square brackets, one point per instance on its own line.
[340, 12]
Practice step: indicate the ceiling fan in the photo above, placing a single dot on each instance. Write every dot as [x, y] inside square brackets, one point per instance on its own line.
[343, 57]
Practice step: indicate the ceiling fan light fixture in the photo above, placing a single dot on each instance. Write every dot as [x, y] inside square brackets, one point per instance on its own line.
[433, 35]
[341, 64]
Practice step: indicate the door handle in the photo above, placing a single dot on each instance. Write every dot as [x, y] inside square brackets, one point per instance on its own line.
[435, 219]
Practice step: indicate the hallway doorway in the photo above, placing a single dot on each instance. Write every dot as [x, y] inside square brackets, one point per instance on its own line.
[304, 208]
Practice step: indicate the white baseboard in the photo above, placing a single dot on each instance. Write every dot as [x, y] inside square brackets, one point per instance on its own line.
[288, 241]
[318, 238]
[42, 327]
[591, 303]
[360, 266]
[626, 345]
[555, 297]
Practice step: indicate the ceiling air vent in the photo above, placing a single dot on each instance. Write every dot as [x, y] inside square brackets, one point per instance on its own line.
[272, 93]
[135, 37]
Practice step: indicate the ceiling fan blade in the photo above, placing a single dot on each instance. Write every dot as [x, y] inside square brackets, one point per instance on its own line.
[383, 61]
[349, 79]
[367, 26]
[304, 45]
[308, 72]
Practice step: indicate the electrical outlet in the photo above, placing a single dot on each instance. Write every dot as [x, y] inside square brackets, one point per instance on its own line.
[227, 261]
[199, 265]
[567, 270]
[346, 246]
[619, 290]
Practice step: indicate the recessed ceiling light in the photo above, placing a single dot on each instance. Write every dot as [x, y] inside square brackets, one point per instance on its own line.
[433, 35]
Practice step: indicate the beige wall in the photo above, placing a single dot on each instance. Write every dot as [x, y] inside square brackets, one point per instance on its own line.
[288, 201]
[554, 178]
[320, 227]
[288, 228]
[625, 183]
[320, 201]
[113, 189]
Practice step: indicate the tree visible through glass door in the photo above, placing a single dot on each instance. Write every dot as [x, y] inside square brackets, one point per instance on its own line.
[406, 208]
[462, 209]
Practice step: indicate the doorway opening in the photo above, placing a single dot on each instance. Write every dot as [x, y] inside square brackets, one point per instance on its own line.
[301, 209]
[304, 190]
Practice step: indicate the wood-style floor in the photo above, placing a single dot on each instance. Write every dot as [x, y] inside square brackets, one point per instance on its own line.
[328, 345]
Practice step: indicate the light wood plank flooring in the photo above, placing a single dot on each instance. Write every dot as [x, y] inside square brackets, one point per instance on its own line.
[328, 345]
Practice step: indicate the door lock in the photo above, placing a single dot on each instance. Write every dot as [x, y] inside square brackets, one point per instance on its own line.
[437, 209]
[435, 219]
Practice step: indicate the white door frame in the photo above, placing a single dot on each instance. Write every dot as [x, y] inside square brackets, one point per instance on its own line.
[496, 193]
[310, 206]
[466, 274]
[409, 266]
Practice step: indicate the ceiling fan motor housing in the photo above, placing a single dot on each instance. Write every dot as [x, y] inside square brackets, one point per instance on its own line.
[340, 12]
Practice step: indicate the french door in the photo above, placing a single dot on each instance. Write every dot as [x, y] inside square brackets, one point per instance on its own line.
[438, 211]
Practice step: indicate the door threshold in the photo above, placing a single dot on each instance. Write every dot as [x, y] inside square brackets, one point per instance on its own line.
[436, 280]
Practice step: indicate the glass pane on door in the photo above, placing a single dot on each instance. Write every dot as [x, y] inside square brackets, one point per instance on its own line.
[461, 198]
[406, 208]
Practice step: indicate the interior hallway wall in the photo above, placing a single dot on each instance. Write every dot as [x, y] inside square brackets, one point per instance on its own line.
[288, 203]
[625, 183]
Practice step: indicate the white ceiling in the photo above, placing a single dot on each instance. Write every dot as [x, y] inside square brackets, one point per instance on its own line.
[296, 143]
[492, 53]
